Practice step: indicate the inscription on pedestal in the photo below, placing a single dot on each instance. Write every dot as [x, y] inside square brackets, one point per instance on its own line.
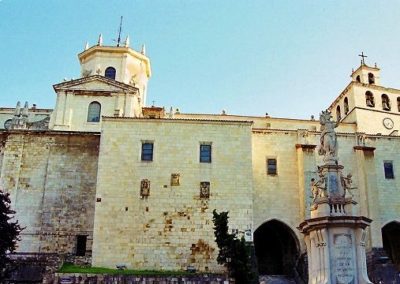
[343, 262]
[333, 185]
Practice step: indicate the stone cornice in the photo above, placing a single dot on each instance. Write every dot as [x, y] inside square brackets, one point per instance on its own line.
[332, 221]
[172, 120]
[116, 49]
[358, 84]
[68, 84]
[306, 146]
[364, 148]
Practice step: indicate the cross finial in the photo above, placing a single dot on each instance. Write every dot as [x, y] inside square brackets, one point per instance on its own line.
[153, 102]
[362, 58]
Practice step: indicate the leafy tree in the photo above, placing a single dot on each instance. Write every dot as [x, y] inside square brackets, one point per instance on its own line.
[9, 233]
[233, 252]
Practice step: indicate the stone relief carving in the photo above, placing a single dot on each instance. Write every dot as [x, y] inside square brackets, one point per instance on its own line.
[21, 121]
[303, 136]
[361, 139]
[86, 72]
[205, 189]
[319, 187]
[175, 179]
[328, 140]
[347, 185]
[144, 188]
[39, 125]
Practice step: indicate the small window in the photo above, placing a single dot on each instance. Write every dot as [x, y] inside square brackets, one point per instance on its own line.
[369, 99]
[272, 167]
[81, 245]
[110, 73]
[398, 104]
[346, 106]
[205, 153]
[385, 102]
[371, 78]
[94, 110]
[358, 79]
[147, 151]
[338, 114]
[388, 167]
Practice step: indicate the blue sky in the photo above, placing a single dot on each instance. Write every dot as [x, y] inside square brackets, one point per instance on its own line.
[287, 58]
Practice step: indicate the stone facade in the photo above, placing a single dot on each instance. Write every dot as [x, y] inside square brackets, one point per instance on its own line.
[52, 180]
[172, 221]
[131, 187]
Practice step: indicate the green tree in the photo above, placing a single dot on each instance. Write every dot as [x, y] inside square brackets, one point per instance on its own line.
[233, 252]
[9, 233]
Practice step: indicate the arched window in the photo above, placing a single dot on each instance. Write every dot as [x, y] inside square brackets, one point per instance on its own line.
[94, 110]
[369, 99]
[110, 73]
[371, 78]
[398, 104]
[358, 79]
[338, 115]
[346, 106]
[385, 102]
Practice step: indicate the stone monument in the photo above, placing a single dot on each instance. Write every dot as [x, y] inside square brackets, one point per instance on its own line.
[334, 235]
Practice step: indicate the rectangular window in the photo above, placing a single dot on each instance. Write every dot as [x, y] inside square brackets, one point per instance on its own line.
[81, 245]
[147, 151]
[272, 167]
[388, 167]
[205, 153]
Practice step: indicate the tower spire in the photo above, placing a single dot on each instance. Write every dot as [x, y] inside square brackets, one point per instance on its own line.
[143, 51]
[127, 41]
[100, 41]
[119, 32]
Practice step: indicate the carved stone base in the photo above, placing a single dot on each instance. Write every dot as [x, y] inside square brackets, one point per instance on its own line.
[336, 249]
[323, 207]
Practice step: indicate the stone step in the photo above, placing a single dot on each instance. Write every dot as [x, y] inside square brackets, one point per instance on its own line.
[276, 279]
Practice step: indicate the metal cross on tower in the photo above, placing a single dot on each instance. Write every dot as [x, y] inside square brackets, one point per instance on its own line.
[362, 58]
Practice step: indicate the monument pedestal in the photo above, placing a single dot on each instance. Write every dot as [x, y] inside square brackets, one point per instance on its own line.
[336, 249]
[334, 236]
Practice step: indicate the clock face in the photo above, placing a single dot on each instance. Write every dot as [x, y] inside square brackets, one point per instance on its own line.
[388, 123]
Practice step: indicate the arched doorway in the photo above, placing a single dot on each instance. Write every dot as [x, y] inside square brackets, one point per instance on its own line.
[277, 249]
[391, 242]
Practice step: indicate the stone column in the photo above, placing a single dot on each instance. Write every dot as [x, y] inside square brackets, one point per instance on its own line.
[367, 186]
[306, 171]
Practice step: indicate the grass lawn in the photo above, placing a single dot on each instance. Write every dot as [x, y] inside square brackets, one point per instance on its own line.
[71, 268]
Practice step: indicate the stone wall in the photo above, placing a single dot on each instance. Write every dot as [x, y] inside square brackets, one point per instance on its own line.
[108, 279]
[52, 181]
[172, 228]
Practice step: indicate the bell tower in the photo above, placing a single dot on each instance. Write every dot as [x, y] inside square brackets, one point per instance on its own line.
[120, 63]
[113, 82]
[375, 109]
[366, 74]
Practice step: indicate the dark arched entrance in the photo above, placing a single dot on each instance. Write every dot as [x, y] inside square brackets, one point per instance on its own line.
[391, 242]
[277, 249]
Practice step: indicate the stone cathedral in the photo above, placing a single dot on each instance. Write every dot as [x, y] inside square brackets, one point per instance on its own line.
[107, 180]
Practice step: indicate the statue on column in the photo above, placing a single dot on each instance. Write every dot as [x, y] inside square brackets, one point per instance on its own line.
[328, 140]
